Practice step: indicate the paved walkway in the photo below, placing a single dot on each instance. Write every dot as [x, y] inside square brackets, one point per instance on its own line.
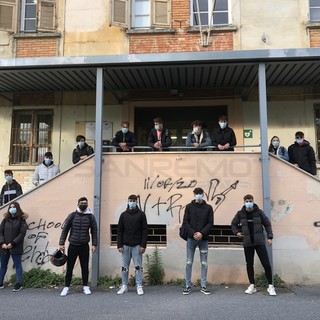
[163, 302]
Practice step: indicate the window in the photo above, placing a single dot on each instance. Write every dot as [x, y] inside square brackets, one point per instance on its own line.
[202, 12]
[157, 234]
[314, 10]
[37, 15]
[8, 12]
[222, 235]
[141, 13]
[30, 136]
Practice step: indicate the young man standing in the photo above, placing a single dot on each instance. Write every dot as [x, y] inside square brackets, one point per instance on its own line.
[79, 223]
[252, 221]
[124, 139]
[198, 222]
[159, 137]
[82, 150]
[132, 242]
[11, 189]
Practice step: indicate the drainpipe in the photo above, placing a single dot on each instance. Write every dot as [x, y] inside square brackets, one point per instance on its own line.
[97, 170]
[264, 147]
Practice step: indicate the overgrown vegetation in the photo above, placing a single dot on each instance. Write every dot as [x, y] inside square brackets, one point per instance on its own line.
[154, 268]
[108, 281]
[261, 281]
[177, 282]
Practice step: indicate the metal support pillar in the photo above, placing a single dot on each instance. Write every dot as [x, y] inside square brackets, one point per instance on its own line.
[97, 171]
[264, 147]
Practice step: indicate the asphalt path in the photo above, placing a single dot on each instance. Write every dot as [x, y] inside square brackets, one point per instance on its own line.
[160, 302]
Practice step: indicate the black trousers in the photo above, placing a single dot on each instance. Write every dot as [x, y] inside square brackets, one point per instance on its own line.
[73, 253]
[264, 259]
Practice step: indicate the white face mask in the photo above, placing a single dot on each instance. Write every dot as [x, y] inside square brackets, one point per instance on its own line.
[81, 144]
[223, 125]
[196, 130]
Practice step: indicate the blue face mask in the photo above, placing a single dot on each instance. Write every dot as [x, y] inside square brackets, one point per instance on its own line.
[81, 144]
[124, 130]
[8, 178]
[132, 205]
[198, 197]
[299, 141]
[47, 162]
[276, 144]
[223, 125]
[249, 205]
[13, 211]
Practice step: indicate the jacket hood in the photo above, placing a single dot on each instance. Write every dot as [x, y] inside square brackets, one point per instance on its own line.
[132, 210]
[305, 143]
[199, 204]
[255, 208]
[88, 211]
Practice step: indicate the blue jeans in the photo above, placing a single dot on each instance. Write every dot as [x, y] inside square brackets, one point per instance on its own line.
[134, 253]
[16, 258]
[191, 248]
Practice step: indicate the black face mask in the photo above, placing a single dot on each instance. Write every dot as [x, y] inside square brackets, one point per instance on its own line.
[83, 207]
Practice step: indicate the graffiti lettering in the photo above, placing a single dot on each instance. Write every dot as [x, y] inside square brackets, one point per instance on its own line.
[44, 225]
[168, 183]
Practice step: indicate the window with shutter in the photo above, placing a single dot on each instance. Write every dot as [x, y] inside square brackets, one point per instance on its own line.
[161, 13]
[8, 15]
[46, 15]
[120, 13]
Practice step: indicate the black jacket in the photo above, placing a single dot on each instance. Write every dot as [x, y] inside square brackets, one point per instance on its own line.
[10, 191]
[85, 151]
[198, 217]
[129, 138]
[13, 230]
[303, 155]
[132, 228]
[224, 136]
[79, 225]
[165, 138]
[240, 224]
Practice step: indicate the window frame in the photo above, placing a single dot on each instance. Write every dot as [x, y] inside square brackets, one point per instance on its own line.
[209, 13]
[32, 147]
[313, 7]
[14, 21]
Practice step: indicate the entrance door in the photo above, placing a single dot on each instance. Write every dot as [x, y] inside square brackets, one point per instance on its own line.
[177, 119]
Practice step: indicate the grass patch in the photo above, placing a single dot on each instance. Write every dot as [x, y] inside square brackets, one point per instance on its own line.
[261, 281]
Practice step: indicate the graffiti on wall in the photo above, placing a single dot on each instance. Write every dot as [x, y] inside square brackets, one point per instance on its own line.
[36, 250]
[172, 201]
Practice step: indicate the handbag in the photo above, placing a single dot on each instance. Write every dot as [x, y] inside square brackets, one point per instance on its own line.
[183, 232]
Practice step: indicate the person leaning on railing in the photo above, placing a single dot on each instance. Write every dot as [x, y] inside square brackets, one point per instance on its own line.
[224, 138]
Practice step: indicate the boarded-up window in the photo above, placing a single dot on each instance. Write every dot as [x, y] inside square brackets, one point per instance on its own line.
[46, 16]
[8, 15]
[120, 13]
[161, 13]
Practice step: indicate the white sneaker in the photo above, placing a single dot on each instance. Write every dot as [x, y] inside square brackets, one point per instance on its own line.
[271, 290]
[123, 289]
[64, 291]
[251, 289]
[86, 290]
[140, 290]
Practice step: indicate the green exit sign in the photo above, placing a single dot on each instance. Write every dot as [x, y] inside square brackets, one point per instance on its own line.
[247, 133]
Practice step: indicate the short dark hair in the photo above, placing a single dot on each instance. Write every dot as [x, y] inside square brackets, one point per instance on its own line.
[125, 122]
[133, 197]
[82, 199]
[158, 119]
[198, 191]
[48, 155]
[248, 197]
[8, 172]
[197, 123]
[80, 137]
[223, 118]
[299, 134]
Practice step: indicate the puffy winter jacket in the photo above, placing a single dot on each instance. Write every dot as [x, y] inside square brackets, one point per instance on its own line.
[85, 151]
[224, 136]
[10, 191]
[43, 173]
[80, 224]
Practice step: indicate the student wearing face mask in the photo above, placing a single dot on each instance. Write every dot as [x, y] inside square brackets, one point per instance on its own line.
[11, 189]
[198, 222]
[249, 224]
[13, 229]
[81, 223]
[159, 136]
[278, 150]
[45, 171]
[224, 138]
[124, 139]
[302, 155]
[132, 242]
[82, 150]
[198, 138]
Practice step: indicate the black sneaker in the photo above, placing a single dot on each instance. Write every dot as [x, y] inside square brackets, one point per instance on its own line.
[17, 287]
[186, 290]
[204, 290]
[1, 286]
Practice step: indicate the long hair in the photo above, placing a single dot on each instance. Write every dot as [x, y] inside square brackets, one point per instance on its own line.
[271, 148]
[20, 214]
